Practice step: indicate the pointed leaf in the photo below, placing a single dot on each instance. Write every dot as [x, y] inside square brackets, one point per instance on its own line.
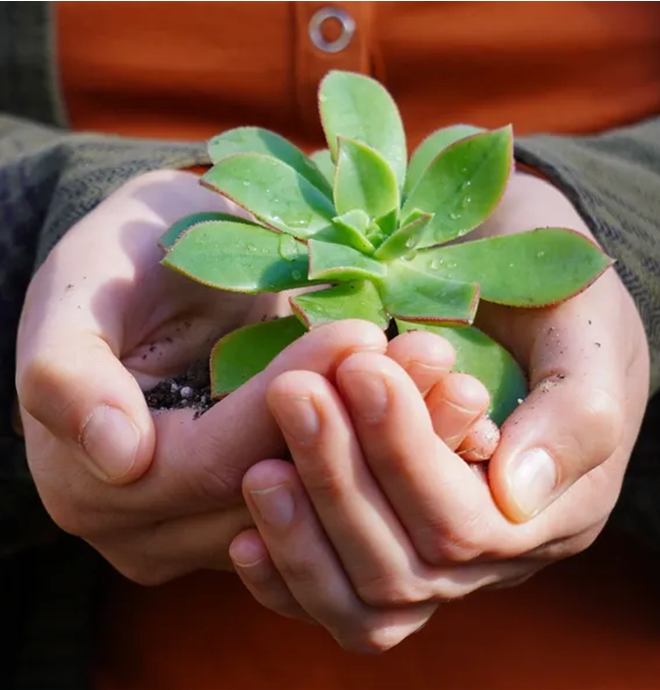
[273, 192]
[389, 223]
[431, 147]
[414, 296]
[258, 140]
[355, 300]
[323, 161]
[404, 240]
[358, 107]
[364, 180]
[350, 229]
[486, 360]
[242, 354]
[239, 257]
[463, 185]
[176, 230]
[528, 269]
[337, 262]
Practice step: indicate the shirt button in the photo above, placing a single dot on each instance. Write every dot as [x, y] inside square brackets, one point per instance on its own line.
[331, 15]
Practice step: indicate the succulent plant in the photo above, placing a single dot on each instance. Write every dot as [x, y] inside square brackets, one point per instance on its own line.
[371, 232]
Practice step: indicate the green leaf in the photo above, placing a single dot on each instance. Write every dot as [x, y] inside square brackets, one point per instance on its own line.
[430, 148]
[176, 230]
[242, 354]
[337, 262]
[364, 180]
[405, 239]
[528, 269]
[323, 161]
[239, 257]
[486, 360]
[273, 192]
[358, 107]
[463, 185]
[258, 140]
[413, 296]
[350, 229]
[355, 300]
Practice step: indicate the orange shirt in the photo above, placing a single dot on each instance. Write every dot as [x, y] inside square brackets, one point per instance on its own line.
[188, 71]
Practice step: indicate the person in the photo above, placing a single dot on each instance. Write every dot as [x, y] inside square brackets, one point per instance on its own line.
[377, 520]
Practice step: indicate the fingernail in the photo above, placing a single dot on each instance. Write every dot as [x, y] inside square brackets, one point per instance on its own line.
[533, 480]
[111, 441]
[275, 505]
[298, 417]
[368, 394]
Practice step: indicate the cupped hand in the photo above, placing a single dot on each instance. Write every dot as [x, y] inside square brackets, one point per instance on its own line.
[379, 521]
[158, 495]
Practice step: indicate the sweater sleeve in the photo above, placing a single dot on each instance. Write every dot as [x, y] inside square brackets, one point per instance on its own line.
[49, 179]
[613, 180]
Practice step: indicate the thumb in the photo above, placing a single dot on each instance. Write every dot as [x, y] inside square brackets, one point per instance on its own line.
[571, 422]
[84, 396]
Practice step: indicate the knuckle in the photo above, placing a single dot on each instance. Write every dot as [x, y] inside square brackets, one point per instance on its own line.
[143, 573]
[462, 544]
[325, 484]
[603, 416]
[216, 480]
[35, 382]
[69, 519]
[385, 592]
[372, 639]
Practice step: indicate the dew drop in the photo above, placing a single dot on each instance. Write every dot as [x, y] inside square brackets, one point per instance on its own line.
[411, 242]
[296, 275]
[246, 183]
[540, 255]
[252, 248]
[466, 201]
[435, 264]
[288, 248]
[454, 215]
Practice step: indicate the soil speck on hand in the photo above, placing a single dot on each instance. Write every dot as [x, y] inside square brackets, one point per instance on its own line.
[190, 390]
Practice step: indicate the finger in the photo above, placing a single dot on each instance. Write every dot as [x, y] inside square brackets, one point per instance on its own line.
[572, 420]
[455, 404]
[199, 464]
[480, 442]
[72, 328]
[355, 514]
[255, 567]
[426, 357]
[433, 491]
[309, 566]
[163, 551]
[84, 396]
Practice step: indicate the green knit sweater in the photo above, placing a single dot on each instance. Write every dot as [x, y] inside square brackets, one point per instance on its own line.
[49, 178]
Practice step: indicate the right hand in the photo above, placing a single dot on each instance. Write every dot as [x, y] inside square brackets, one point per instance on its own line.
[158, 495]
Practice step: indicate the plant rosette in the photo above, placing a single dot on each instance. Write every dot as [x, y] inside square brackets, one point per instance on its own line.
[373, 234]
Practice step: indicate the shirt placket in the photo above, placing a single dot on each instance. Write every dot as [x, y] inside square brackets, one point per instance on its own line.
[348, 48]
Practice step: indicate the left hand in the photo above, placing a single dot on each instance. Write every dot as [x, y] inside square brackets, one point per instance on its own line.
[385, 521]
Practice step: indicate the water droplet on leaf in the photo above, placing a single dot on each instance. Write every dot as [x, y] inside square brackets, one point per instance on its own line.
[288, 248]
[296, 275]
[540, 255]
[454, 215]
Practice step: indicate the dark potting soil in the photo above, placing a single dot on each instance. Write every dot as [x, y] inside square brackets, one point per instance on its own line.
[191, 390]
